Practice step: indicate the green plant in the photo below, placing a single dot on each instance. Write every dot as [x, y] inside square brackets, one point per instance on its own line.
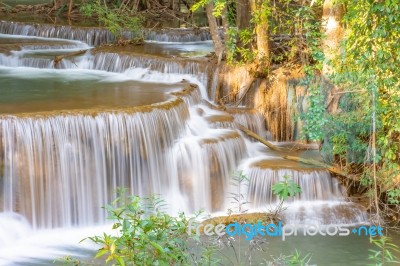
[314, 118]
[115, 19]
[238, 198]
[308, 45]
[297, 259]
[366, 130]
[68, 260]
[145, 234]
[294, 259]
[387, 252]
[285, 189]
[393, 196]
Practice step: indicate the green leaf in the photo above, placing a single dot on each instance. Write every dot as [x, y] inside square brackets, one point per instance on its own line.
[101, 253]
[157, 246]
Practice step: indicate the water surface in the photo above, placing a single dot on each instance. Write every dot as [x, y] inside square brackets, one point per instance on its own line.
[27, 90]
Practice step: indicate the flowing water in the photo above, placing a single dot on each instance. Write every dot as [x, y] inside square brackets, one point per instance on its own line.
[71, 133]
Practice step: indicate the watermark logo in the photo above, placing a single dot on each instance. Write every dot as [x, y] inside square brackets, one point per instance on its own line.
[279, 230]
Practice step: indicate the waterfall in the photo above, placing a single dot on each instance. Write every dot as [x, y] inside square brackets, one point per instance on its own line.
[58, 168]
[13, 227]
[205, 166]
[95, 36]
[90, 36]
[13, 61]
[113, 62]
[250, 118]
[178, 35]
[59, 171]
[118, 63]
[321, 201]
[315, 185]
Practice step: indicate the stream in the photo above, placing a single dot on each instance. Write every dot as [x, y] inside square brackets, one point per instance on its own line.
[71, 133]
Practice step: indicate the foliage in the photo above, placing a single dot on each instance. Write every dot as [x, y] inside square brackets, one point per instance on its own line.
[238, 45]
[387, 251]
[394, 196]
[285, 189]
[297, 259]
[365, 133]
[199, 4]
[116, 20]
[146, 235]
[315, 118]
[238, 197]
[308, 41]
[294, 259]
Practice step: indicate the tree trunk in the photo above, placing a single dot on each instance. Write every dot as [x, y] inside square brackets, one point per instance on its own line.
[212, 23]
[224, 17]
[71, 4]
[253, 135]
[243, 17]
[333, 30]
[243, 14]
[328, 167]
[261, 33]
[59, 58]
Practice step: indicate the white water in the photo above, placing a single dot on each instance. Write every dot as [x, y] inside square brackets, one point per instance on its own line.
[58, 171]
[20, 245]
[41, 55]
[97, 36]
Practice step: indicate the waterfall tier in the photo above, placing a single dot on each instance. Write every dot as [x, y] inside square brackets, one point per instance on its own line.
[96, 36]
[60, 170]
[117, 63]
[321, 201]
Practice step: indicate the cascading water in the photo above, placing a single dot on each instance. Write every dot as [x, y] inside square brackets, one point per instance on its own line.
[69, 166]
[251, 119]
[114, 149]
[205, 166]
[97, 36]
[321, 201]
[58, 168]
[30, 56]
[119, 63]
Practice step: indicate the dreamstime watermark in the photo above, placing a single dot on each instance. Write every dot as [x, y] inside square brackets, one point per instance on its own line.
[279, 230]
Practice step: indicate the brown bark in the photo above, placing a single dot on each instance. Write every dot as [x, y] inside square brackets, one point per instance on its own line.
[175, 5]
[333, 30]
[243, 14]
[243, 17]
[261, 33]
[212, 23]
[255, 136]
[224, 17]
[328, 167]
[58, 58]
[71, 4]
